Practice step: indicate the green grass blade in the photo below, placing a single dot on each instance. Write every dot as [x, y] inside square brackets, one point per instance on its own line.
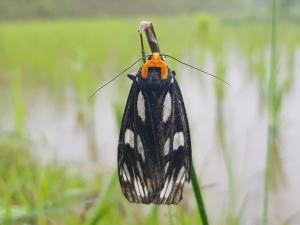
[153, 217]
[271, 122]
[267, 177]
[99, 209]
[198, 196]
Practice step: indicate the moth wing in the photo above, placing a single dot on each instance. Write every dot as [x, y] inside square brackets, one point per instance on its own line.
[154, 152]
[134, 176]
[177, 149]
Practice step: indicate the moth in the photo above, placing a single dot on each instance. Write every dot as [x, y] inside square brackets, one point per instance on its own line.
[154, 149]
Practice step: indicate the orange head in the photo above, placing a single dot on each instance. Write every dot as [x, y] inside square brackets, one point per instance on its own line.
[155, 62]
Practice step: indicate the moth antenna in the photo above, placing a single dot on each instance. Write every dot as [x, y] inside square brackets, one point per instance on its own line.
[195, 68]
[115, 77]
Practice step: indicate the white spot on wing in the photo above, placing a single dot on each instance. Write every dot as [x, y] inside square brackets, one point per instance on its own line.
[123, 175]
[165, 192]
[167, 107]
[162, 193]
[149, 185]
[129, 138]
[139, 169]
[167, 147]
[141, 107]
[180, 175]
[178, 140]
[170, 186]
[146, 191]
[182, 180]
[140, 147]
[136, 186]
[166, 167]
[126, 172]
[140, 187]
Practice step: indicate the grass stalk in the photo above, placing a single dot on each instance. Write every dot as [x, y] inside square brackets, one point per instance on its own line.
[99, 210]
[20, 111]
[198, 196]
[271, 122]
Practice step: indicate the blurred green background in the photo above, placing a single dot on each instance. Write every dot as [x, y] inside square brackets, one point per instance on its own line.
[58, 151]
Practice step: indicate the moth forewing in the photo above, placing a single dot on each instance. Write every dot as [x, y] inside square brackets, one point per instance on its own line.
[154, 152]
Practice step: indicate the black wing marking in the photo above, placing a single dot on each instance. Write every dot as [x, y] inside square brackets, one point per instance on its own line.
[150, 170]
[138, 165]
[177, 155]
[130, 162]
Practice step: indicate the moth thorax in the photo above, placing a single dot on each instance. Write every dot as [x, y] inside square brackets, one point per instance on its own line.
[155, 61]
[154, 78]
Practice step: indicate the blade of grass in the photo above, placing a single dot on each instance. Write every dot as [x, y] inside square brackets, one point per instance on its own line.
[198, 196]
[153, 217]
[22, 215]
[20, 111]
[97, 212]
[271, 122]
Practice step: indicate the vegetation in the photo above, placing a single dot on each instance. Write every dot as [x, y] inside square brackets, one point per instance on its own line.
[33, 9]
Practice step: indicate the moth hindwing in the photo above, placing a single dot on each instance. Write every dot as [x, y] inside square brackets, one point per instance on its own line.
[154, 152]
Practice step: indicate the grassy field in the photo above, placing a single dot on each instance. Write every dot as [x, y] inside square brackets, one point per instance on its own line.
[52, 55]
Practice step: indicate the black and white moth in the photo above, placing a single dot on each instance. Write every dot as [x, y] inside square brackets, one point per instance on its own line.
[154, 151]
